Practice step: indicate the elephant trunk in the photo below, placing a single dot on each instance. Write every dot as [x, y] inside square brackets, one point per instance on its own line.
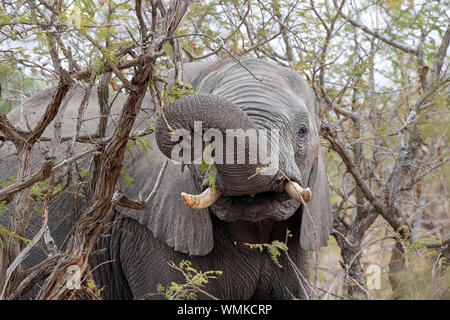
[214, 112]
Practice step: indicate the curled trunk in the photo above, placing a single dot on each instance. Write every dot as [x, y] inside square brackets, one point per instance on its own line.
[214, 112]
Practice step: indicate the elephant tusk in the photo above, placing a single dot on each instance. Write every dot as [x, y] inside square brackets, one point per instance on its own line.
[296, 192]
[201, 201]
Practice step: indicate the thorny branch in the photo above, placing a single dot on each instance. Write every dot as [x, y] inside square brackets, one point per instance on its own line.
[109, 155]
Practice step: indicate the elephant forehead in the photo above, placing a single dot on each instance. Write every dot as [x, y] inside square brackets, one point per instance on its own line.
[269, 96]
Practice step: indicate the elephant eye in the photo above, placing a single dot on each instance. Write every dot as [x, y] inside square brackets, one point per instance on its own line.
[303, 130]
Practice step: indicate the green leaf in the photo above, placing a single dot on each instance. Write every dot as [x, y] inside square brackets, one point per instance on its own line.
[126, 178]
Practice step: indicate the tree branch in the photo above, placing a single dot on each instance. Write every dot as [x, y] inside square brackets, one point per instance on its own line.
[380, 36]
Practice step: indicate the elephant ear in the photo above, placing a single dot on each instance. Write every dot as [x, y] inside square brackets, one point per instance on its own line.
[168, 218]
[316, 217]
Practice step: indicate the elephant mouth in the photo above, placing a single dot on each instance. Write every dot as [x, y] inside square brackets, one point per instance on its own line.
[251, 207]
[254, 208]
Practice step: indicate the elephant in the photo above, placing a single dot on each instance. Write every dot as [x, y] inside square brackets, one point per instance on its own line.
[213, 227]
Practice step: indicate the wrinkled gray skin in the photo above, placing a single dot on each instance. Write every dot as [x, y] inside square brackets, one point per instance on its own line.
[140, 243]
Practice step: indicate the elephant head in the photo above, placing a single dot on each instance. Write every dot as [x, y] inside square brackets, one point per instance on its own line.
[230, 98]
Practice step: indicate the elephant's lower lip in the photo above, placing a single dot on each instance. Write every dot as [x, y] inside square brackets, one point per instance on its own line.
[260, 206]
